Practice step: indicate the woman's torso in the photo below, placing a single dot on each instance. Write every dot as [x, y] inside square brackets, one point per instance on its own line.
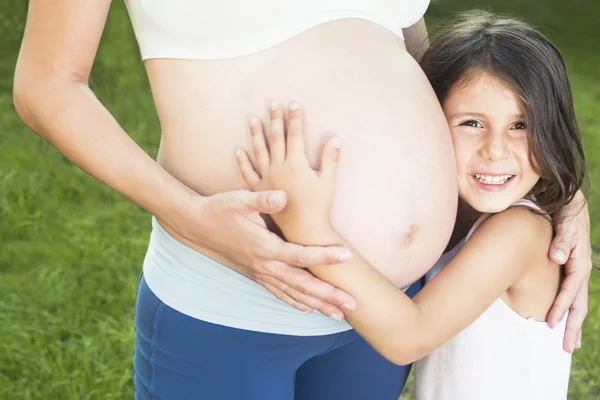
[396, 195]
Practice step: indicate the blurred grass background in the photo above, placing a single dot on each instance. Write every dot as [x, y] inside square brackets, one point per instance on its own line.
[71, 250]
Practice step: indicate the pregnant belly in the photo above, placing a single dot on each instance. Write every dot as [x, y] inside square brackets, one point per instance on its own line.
[396, 190]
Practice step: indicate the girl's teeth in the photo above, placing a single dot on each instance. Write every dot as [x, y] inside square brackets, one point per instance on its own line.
[492, 180]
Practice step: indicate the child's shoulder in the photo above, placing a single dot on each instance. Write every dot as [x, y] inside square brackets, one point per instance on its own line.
[516, 225]
[517, 241]
[523, 216]
[530, 234]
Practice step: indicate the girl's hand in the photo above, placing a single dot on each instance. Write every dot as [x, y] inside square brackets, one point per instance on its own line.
[282, 165]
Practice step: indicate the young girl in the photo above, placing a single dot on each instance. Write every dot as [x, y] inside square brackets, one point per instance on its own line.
[477, 326]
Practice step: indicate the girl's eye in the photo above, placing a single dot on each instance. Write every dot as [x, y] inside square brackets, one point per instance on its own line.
[472, 123]
[520, 125]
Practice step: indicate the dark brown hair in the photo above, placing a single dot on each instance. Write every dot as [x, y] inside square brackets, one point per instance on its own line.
[529, 64]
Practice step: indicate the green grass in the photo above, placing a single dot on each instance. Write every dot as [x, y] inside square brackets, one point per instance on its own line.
[71, 250]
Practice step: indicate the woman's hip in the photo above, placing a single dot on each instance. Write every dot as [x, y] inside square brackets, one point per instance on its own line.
[200, 287]
[180, 357]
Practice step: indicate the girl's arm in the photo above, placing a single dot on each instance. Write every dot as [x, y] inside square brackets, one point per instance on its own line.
[500, 252]
[401, 329]
[52, 97]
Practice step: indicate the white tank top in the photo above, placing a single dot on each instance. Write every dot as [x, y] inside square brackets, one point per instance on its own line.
[218, 29]
[500, 356]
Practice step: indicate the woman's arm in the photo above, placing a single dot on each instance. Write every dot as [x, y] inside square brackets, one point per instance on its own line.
[52, 97]
[571, 247]
[401, 329]
[416, 39]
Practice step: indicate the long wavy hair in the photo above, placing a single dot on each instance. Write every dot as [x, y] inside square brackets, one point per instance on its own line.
[523, 59]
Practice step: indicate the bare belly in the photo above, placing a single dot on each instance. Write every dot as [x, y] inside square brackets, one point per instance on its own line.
[396, 195]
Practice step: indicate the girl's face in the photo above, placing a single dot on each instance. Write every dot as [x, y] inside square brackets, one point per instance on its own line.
[490, 144]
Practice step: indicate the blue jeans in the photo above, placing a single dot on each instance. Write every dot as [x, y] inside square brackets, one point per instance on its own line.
[178, 357]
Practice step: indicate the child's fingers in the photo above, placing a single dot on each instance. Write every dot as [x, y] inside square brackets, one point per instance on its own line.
[329, 160]
[247, 170]
[295, 132]
[259, 146]
[277, 134]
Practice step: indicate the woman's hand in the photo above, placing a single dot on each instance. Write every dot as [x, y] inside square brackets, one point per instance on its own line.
[282, 165]
[230, 225]
[572, 247]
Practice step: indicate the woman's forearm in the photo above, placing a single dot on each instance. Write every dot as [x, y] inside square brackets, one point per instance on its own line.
[66, 113]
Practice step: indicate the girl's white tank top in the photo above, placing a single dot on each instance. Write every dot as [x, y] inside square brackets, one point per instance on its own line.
[500, 356]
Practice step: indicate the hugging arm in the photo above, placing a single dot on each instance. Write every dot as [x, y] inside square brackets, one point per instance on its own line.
[572, 247]
[401, 329]
[52, 97]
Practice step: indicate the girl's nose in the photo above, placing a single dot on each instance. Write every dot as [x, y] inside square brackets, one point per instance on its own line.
[495, 147]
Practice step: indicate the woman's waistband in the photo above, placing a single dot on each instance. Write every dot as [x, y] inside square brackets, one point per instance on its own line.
[202, 288]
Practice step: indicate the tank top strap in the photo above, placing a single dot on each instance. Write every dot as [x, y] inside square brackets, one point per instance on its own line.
[477, 224]
[531, 205]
